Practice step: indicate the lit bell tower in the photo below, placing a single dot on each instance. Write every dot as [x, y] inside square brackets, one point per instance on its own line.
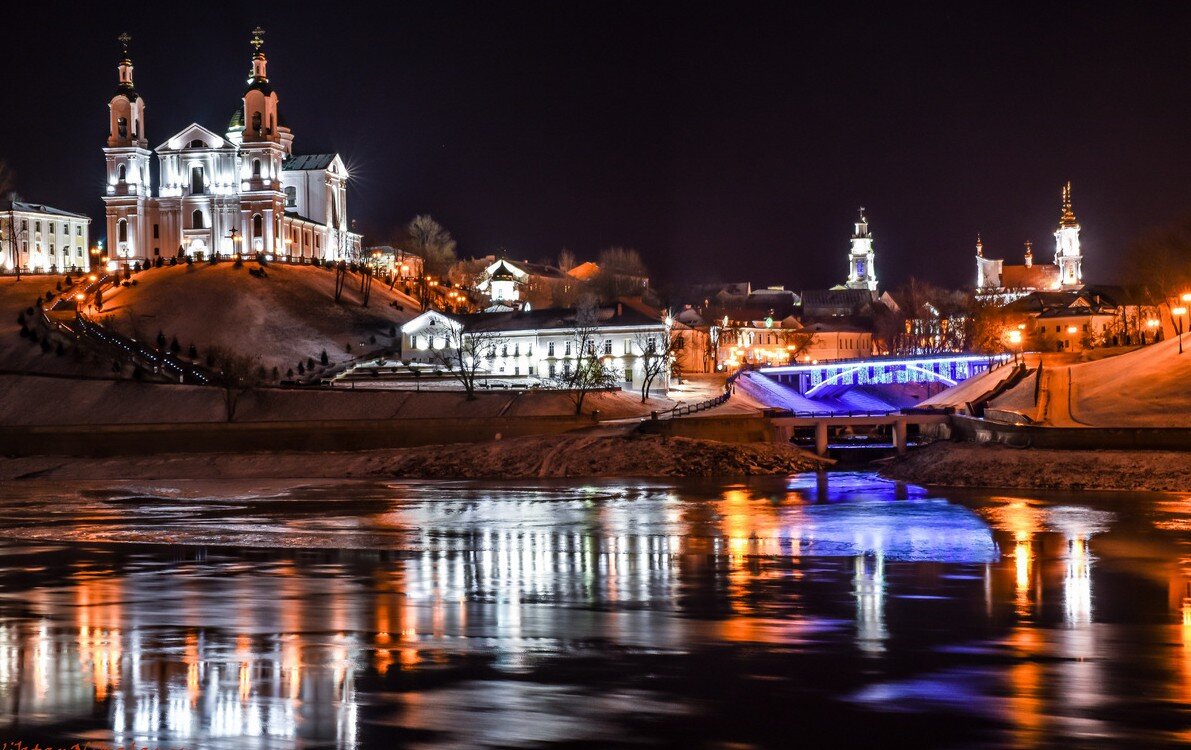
[127, 157]
[1067, 251]
[862, 273]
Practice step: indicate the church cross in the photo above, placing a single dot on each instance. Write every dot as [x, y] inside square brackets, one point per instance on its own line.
[124, 39]
[257, 40]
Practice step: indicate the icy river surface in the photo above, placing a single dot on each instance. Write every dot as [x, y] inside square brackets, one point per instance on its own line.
[838, 610]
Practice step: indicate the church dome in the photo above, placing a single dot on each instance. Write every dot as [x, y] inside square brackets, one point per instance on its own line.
[237, 121]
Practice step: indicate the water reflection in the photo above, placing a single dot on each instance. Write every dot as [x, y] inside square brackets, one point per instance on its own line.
[586, 614]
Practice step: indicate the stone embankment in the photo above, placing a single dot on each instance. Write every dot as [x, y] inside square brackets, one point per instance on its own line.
[594, 454]
[977, 465]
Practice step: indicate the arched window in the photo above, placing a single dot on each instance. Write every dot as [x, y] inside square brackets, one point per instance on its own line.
[197, 144]
[122, 127]
[258, 226]
[122, 230]
[197, 184]
[256, 168]
[196, 219]
[121, 173]
[256, 122]
[291, 196]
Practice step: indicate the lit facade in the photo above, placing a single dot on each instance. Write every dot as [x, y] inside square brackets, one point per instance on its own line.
[1004, 283]
[862, 271]
[541, 344]
[41, 239]
[241, 192]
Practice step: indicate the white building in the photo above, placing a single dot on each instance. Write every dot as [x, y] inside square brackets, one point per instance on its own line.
[862, 270]
[42, 239]
[537, 345]
[241, 192]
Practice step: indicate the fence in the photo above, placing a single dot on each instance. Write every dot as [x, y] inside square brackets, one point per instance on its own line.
[685, 409]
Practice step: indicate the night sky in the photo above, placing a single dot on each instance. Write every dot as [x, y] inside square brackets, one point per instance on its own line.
[731, 143]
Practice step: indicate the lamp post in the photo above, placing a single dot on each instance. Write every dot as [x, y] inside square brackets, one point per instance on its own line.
[1178, 313]
[1015, 340]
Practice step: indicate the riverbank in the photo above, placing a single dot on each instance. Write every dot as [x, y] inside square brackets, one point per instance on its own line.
[978, 465]
[589, 454]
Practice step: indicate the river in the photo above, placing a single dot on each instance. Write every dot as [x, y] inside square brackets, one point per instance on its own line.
[839, 610]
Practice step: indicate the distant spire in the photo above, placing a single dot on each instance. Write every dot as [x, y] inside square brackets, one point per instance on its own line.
[861, 225]
[979, 246]
[1029, 253]
[258, 56]
[1067, 219]
[125, 67]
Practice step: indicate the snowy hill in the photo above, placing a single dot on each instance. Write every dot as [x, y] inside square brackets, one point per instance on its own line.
[285, 317]
[1147, 387]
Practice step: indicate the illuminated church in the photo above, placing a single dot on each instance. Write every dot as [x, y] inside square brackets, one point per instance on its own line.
[241, 192]
[996, 280]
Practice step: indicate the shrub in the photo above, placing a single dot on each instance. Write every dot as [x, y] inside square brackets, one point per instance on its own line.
[192, 352]
[301, 369]
[324, 359]
[160, 340]
[276, 373]
[290, 372]
[21, 318]
[175, 347]
[69, 281]
[25, 331]
[310, 363]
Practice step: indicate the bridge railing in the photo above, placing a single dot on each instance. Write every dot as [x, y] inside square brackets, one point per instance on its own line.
[683, 410]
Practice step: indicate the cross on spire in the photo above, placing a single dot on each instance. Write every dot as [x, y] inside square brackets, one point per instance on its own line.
[257, 38]
[124, 39]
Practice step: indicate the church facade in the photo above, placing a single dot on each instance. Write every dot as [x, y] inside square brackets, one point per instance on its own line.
[242, 192]
[1004, 283]
[862, 271]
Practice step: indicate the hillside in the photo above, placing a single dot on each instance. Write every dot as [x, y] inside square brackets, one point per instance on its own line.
[281, 319]
[1146, 387]
[19, 354]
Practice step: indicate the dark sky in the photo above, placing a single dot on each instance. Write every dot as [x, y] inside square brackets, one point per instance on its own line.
[732, 142]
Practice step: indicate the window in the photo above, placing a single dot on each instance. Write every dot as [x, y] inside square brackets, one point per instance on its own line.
[122, 230]
[628, 375]
[553, 371]
[516, 350]
[122, 127]
[256, 168]
[156, 232]
[291, 196]
[197, 144]
[25, 224]
[196, 219]
[258, 225]
[197, 185]
[608, 347]
[504, 350]
[567, 350]
[121, 173]
[256, 122]
[78, 231]
[550, 353]
[651, 345]
[413, 342]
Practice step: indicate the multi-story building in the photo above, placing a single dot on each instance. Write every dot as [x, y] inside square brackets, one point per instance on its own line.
[40, 239]
[241, 192]
[541, 345]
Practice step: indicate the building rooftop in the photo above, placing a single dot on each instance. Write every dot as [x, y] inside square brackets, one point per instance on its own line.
[298, 163]
[9, 204]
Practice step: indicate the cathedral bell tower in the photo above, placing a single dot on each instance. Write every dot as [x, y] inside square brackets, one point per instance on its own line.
[862, 273]
[1067, 252]
[127, 156]
[264, 143]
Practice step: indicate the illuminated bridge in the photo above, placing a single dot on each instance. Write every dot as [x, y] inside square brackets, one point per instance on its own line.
[828, 378]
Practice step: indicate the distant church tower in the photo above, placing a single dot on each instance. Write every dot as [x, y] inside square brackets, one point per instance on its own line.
[1067, 253]
[127, 156]
[862, 273]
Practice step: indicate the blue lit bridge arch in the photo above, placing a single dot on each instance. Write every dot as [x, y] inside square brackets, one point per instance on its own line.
[813, 379]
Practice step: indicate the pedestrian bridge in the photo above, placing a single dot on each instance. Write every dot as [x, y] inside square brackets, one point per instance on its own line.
[827, 378]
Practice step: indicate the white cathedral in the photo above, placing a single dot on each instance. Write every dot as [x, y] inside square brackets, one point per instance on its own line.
[1000, 281]
[862, 271]
[244, 192]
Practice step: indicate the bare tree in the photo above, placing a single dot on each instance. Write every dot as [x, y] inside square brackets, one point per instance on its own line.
[566, 260]
[340, 279]
[238, 374]
[7, 183]
[434, 244]
[657, 354]
[589, 373]
[468, 353]
[622, 273]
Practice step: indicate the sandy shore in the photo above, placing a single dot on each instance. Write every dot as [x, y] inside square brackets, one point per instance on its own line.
[576, 455]
[971, 465]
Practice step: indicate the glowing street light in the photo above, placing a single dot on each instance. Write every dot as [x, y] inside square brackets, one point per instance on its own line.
[1015, 339]
[1178, 313]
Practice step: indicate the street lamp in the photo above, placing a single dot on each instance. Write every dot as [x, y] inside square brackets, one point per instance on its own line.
[1178, 313]
[1015, 338]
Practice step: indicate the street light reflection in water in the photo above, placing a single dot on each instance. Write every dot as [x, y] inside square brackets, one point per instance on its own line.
[378, 614]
